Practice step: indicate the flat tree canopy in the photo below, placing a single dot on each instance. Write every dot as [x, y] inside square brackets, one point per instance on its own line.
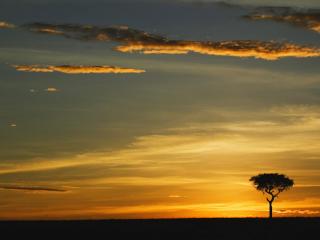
[272, 183]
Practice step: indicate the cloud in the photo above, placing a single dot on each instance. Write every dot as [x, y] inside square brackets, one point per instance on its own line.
[257, 49]
[51, 89]
[89, 32]
[309, 19]
[291, 3]
[297, 212]
[68, 69]
[32, 68]
[280, 130]
[139, 41]
[31, 188]
[175, 196]
[6, 25]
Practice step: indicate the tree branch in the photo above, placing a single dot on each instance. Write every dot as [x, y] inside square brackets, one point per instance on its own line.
[276, 195]
[270, 200]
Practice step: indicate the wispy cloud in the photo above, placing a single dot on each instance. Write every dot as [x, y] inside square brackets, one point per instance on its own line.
[70, 69]
[133, 40]
[286, 131]
[309, 19]
[51, 89]
[31, 188]
[89, 32]
[6, 25]
[175, 196]
[297, 212]
[291, 3]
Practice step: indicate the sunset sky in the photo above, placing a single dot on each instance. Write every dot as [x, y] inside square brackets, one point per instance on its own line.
[157, 109]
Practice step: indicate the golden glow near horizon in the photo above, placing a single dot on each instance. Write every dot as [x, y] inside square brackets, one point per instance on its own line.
[188, 172]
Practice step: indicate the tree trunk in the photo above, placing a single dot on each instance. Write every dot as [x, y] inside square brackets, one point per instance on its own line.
[270, 209]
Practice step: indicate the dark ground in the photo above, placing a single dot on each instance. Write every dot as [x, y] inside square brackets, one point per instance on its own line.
[199, 229]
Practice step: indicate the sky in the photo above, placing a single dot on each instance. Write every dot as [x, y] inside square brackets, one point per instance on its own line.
[157, 109]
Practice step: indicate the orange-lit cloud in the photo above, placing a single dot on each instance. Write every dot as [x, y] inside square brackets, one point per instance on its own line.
[31, 188]
[256, 49]
[6, 25]
[307, 19]
[175, 196]
[297, 212]
[49, 30]
[51, 89]
[68, 69]
[133, 40]
[32, 68]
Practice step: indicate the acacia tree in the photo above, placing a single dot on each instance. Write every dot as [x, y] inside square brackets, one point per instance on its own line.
[271, 184]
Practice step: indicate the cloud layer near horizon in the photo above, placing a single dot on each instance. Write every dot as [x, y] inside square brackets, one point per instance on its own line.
[31, 188]
[70, 69]
[139, 41]
[190, 164]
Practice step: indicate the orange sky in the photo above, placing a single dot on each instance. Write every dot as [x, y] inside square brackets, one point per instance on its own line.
[126, 112]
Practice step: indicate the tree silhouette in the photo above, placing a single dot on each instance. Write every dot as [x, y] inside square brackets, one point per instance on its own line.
[271, 184]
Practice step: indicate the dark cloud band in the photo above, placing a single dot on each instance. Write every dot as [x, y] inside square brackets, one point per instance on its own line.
[132, 40]
[31, 188]
[309, 19]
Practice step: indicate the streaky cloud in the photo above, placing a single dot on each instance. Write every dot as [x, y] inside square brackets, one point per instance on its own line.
[297, 212]
[132, 40]
[175, 196]
[32, 68]
[31, 188]
[72, 69]
[51, 89]
[4, 24]
[89, 32]
[242, 48]
[309, 19]
[287, 3]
